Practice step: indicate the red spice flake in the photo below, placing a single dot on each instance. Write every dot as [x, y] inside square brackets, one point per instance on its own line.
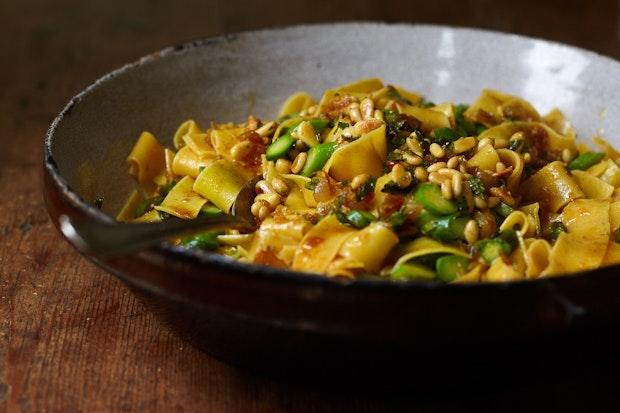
[252, 159]
[269, 257]
[391, 204]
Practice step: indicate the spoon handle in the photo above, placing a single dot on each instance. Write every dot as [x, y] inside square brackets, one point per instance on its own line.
[105, 239]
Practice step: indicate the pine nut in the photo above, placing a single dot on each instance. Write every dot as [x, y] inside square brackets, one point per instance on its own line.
[265, 130]
[280, 186]
[436, 150]
[500, 166]
[500, 143]
[272, 199]
[464, 144]
[420, 174]
[436, 166]
[480, 203]
[453, 162]
[457, 185]
[299, 162]
[484, 142]
[263, 187]
[492, 201]
[359, 180]
[527, 158]
[354, 112]
[256, 206]
[401, 176]
[414, 145]
[366, 126]
[471, 232]
[567, 155]
[240, 150]
[312, 109]
[263, 212]
[435, 178]
[412, 159]
[446, 190]
[283, 166]
[367, 107]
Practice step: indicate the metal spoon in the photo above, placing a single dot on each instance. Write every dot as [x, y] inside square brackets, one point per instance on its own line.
[115, 238]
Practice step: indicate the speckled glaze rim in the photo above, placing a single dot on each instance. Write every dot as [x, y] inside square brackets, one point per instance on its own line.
[251, 270]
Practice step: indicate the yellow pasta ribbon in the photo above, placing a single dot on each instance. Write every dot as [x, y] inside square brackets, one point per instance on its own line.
[182, 201]
[146, 161]
[364, 155]
[295, 103]
[220, 182]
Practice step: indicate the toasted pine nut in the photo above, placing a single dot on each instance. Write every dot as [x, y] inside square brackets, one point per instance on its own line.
[527, 158]
[436, 166]
[299, 162]
[567, 155]
[265, 129]
[446, 190]
[367, 107]
[436, 178]
[471, 232]
[421, 174]
[492, 201]
[283, 166]
[272, 199]
[500, 143]
[412, 159]
[256, 206]
[263, 187]
[414, 145]
[366, 126]
[457, 185]
[354, 112]
[359, 180]
[464, 144]
[312, 109]
[401, 176]
[500, 166]
[436, 150]
[453, 162]
[518, 136]
[280, 186]
[484, 142]
[480, 202]
[263, 212]
[240, 150]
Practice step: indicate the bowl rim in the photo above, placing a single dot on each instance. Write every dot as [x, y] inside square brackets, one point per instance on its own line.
[237, 268]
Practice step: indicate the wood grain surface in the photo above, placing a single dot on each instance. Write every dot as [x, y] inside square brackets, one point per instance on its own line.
[73, 338]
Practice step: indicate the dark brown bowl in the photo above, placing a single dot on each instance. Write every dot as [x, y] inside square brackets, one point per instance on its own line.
[286, 322]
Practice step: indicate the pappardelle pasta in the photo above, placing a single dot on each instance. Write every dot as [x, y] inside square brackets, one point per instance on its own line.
[373, 180]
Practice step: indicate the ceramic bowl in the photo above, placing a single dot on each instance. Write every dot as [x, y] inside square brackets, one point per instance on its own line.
[282, 321]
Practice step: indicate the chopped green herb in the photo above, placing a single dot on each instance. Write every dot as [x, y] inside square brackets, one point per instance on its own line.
[343, 125]
[366, 189]
[392, 187]
[167, 188]
[210, 211]
[555, 229]
[427, 103]
[586, 160]
[445, 135]
[312, 183]
[148, 204]
[516, 145]
[476, 186]
[201, 168]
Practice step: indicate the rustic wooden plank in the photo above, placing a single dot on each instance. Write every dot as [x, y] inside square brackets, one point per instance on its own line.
[72, 338]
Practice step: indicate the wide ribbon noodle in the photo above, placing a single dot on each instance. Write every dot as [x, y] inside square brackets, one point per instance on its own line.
[373, 180]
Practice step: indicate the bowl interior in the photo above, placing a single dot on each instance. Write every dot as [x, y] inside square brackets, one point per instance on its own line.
[228, 78]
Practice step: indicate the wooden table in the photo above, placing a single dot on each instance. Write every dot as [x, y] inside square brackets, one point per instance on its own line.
[72, 338]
